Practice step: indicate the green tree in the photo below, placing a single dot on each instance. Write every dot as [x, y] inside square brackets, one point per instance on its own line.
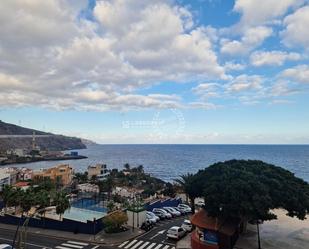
[61, 202]
[127, 167]
[251, 189]
[191, 187]
[7, 193]
[28, 200]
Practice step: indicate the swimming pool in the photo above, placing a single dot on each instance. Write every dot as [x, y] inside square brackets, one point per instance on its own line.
[82, 215]
[89, 204]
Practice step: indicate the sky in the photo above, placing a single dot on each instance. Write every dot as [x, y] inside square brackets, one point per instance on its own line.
[159, 71]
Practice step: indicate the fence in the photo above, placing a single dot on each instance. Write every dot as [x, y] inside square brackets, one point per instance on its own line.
[65, 225]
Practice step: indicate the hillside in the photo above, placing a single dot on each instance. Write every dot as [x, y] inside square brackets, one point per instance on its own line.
[50, 142]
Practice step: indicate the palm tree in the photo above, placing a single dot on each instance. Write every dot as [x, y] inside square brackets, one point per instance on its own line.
[127, 166]
[7, 194]
[61, 202]
[43, 200]
[188, 185]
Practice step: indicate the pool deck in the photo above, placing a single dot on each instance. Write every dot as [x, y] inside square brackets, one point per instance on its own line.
[283, 233]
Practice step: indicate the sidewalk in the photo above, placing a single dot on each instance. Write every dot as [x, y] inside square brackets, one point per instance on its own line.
[184, 243]
[100, 238]
[284, 233]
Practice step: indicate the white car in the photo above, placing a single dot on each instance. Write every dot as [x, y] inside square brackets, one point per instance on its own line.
[5, 246]
[176, 232]
[151, 219]
[172, 211]
[153, 215]
[185, 208]
[161, 210]
[187, 225]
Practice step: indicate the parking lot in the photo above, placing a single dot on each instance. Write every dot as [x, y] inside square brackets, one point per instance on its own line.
[156, 237]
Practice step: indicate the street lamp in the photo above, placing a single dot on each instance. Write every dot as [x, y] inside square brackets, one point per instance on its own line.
[23, 233]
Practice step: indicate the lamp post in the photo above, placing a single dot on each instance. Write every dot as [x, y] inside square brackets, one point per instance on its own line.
[22, 238]
[258, 232]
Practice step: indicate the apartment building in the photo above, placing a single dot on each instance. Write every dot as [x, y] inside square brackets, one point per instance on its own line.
[99, 171]
[63, 173]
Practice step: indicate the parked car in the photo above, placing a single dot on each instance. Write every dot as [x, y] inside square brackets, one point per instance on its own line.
[151, 219]
[160, 214]
[185, 208]
[176, 232]
[147, 225]
[172, 211]
[183, 212]
[187, 225]
[153, 215]
[5, 246]
[166, 214]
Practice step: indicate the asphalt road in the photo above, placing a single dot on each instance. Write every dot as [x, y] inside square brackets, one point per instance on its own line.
[35, 241]
[155, 238]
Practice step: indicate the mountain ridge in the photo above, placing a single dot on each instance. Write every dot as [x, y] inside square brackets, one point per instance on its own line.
[9, 139]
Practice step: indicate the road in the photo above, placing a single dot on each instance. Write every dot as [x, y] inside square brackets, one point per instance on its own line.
[155, 238]
[35, 241]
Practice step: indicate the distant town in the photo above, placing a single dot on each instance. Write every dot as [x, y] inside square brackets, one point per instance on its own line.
[35, 154]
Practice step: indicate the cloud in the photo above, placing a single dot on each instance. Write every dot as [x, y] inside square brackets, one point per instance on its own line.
[299, 74]
[254, 13]
[231, 66]
[296, 32]
[252, 38]
[53, 57]
[272, 58]
[245, 83]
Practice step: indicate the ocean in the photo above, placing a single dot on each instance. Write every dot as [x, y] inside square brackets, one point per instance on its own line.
[169, 161]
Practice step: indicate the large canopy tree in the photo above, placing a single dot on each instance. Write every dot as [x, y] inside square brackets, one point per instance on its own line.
[251, 189]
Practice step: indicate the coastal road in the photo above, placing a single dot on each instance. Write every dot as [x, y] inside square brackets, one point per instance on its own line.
[155, 238]
[36, 241]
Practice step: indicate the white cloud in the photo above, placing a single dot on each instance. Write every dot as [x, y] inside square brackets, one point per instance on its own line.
[231, 66]
[53, 58]
[203, 105]
[252, 38]
[255, 13]
[296, 30]
[299, 74]
[272, 58]
[245, 83]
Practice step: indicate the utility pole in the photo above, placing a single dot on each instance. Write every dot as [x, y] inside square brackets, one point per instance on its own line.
[258, 232]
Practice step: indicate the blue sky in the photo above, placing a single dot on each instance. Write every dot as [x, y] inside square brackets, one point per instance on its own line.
[164, 71]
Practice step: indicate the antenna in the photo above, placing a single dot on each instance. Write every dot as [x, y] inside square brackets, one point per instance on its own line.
[33, 141]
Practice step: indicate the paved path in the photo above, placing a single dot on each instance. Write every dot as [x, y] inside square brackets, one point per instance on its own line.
[283, 233]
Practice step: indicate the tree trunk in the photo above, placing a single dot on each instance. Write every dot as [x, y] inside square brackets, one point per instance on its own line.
[192, 204]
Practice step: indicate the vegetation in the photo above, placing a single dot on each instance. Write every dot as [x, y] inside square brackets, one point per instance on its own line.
[62, 203]
[40, 197]
[115, 221]
[191, 187]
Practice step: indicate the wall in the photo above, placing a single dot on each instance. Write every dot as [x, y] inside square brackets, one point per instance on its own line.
[136, 219]
[65, 225]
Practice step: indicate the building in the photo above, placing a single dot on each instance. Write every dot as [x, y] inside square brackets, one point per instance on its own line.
[5, 179]
[99, 171]
[63, 173]
[212, 232]
[22, 185]
[127, 192]
[87, 187]
[12, 173]
[25, 174]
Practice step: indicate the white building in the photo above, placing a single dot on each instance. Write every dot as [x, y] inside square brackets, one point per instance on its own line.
[100, 171]
[5, 179]
[87, 187]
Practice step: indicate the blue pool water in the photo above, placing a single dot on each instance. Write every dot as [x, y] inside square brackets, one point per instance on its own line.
[89, 204]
